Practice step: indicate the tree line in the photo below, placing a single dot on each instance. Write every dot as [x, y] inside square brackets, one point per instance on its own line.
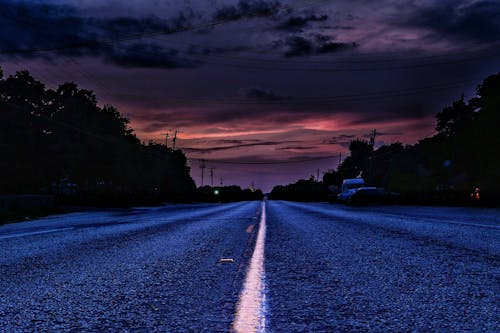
[60, 141]
[462, 157]
[227, 194]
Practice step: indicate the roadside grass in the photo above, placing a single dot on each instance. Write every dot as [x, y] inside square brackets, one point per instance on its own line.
[22, 215]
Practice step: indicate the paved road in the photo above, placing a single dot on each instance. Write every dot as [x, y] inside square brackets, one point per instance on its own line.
[136, 270]
[327, 268]
[331, 268]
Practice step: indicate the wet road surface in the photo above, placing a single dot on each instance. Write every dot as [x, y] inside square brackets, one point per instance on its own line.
[326, 268]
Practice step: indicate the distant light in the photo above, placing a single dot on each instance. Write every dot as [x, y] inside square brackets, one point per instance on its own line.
[216, 192]
[475, 195]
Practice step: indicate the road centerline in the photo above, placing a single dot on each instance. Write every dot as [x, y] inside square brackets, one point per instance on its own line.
[251, 309]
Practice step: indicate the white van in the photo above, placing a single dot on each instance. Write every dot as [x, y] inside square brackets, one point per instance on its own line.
[354, 192]
[349, 187]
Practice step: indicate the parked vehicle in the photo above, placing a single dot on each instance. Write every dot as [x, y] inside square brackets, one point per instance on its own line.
[354, 192]
[371, 195]
[349, 187]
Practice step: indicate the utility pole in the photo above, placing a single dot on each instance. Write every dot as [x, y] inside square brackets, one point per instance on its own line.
[202, 167]
[372, 143]
[212, 176]
[173, 145]
[166, 140]
[372, 138]
[317, 175]
[221, 183]
[175, 137]
[340, 160]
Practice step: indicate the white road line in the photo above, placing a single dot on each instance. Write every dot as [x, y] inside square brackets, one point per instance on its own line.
[251, 310]
[35, 233]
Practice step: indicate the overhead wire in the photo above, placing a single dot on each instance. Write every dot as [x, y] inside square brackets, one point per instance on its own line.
[295, 101]
[83, 73]
[266, 162]
[152, 34]
[291, 68]
[373, 95]
[366, 96]
[340, 57]
[473, 56]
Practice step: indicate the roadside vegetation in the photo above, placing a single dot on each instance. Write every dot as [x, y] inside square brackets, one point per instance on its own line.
[460, 160]
[227, 194]
[61, 142]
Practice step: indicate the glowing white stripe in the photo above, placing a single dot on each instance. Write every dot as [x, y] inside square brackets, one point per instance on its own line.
[251, 311]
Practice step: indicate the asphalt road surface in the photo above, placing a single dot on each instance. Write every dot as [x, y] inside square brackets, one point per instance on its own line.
[318, 268]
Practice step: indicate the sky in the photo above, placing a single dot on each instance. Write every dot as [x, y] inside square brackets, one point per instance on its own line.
[266, 92]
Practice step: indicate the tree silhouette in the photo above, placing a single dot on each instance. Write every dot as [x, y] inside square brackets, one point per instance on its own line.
[442, 168]
[60, 141]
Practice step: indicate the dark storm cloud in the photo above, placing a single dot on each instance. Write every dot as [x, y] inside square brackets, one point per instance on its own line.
[247, 8]
[126, 26]
[296, 148]
[200, 50]
[35, 26]
[379, 134]
[226, 118]
[147, 56]
[332, 47]
[477, 21]
[258, 159]
[297, 23]
[209, 150]
[154, 126]
[343, 140]
[27, 25]
[235, 141]
[263, 95]
[237, 117]
[297, 46]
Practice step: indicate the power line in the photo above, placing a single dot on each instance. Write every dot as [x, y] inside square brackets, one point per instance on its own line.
[273, 67]
[269, 162]
[202, 167]
[319, 100]
[36, 27]
[339, 69]
[80, 130]
[346, 57]
[364, 96]
[212, 176]
[201, 26]
[246, 66]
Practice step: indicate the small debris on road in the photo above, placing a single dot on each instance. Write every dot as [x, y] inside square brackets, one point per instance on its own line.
[226, 260]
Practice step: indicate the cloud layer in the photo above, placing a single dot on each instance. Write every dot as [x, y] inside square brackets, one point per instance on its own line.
[262, 80]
